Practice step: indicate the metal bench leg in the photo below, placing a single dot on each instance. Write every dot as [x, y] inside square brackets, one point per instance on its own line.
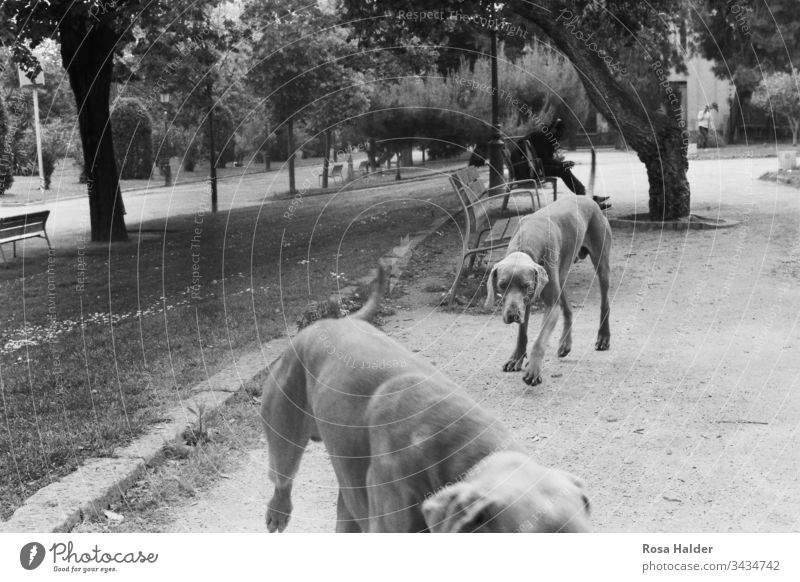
[14, 244]
[454, 288]
[465, 251]
[47, 239]
[5, 262]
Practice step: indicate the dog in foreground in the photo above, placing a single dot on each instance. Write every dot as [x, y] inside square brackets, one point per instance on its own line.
[537, 264]
[411, 451]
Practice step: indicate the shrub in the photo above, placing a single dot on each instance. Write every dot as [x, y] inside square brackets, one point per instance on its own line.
[185, 144]
[61, 137]
[132, 132]
[25, 157]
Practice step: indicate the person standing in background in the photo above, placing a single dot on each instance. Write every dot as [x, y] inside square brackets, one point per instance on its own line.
[704, 122]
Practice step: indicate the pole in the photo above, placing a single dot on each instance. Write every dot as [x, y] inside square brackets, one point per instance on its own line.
[38, 138]
[496, 143]
[165, 154]
[212, 151]
[325, 161]
[290, 152]
[266, 151]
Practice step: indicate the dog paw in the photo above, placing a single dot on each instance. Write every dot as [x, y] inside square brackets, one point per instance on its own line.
[513, 364]
[603, 343]
[531, 381]
[533, 375]
[277, 517]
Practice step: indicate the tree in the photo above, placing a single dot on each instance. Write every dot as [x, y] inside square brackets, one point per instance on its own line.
[594, 36]
[746, 39]
[341, 100]
[89, 33]
[186, 59]
[779, 94]
[224, 137]
[297, 60]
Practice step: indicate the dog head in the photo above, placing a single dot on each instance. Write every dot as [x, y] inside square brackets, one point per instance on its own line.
[510, 493]
[520, 280]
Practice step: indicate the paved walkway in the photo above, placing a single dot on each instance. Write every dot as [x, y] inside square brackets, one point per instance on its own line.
[619, 175]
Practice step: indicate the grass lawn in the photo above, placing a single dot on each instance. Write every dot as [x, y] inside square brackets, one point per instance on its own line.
[96, 340]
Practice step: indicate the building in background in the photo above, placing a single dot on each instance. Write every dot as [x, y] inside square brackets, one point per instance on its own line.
[699, 87]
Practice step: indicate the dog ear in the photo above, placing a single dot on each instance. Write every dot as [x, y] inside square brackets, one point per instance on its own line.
[491, 288]
[457, 508]
[540, 281]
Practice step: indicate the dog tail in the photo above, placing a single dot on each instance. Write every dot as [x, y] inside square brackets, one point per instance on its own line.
[373, 305]
[591, 173]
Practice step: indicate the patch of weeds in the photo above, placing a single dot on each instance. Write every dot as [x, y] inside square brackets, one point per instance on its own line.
[198, 432]
[347, 305]
[144, 507]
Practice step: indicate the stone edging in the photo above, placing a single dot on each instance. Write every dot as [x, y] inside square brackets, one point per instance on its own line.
[697, 223]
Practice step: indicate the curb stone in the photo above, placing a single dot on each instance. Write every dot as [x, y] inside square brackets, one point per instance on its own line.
[98, 482]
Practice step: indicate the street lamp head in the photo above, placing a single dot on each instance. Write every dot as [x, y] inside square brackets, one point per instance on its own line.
[164, 97]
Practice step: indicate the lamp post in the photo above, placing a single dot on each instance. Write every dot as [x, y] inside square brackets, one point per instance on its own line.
[165, 150]
[24, 81]
[496, 142]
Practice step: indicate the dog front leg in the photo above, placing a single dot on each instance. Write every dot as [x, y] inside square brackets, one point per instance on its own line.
[514, 363]
[533, 371]
[288, 430]
[344, 521]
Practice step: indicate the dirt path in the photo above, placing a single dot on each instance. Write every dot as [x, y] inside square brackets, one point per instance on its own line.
[690, 423]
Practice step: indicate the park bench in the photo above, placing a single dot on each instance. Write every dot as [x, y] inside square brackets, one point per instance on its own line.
[475, 199]
[335, 172]
[21, 227]
[363, 168]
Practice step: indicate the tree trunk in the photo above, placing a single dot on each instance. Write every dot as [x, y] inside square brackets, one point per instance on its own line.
[795, 128]
[666, 165]
[373, 163]
[407, 155]
[87, 54]
[734, 117]
[326, 137]
[656, 137]
[399, 153]
[290, 152]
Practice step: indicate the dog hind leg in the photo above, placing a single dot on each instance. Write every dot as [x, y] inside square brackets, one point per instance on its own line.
[601, 262]
[565, 345]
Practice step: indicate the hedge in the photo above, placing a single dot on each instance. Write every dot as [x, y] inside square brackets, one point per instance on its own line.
[132, 132]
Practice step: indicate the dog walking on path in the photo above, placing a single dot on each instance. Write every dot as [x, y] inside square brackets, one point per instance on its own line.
[537, 263]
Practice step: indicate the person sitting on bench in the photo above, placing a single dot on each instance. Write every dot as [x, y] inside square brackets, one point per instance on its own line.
[545, 145]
